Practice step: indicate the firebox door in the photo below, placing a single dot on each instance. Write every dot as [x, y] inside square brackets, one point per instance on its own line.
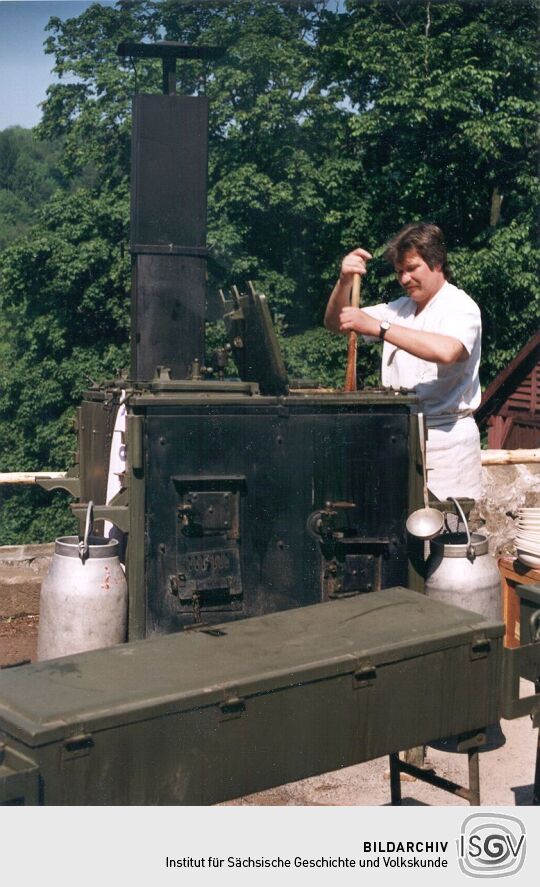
[208, 565]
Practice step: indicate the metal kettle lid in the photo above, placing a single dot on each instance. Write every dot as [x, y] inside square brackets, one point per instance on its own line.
[254, 343]
[457, 544]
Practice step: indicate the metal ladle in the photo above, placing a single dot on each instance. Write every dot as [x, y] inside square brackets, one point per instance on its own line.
[426, 522]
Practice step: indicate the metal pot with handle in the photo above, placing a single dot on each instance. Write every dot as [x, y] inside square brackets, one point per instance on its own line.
[461, 571]
[83, 602]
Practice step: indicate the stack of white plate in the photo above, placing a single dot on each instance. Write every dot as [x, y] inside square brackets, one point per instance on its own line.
[528, 537]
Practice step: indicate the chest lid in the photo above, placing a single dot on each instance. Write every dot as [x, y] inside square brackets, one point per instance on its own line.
[100, 689]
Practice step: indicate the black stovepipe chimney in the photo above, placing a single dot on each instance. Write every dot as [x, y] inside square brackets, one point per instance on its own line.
[169, 159]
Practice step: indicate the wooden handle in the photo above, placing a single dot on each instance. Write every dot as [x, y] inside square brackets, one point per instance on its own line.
[508, 457]
[350, 375]
[29, 477]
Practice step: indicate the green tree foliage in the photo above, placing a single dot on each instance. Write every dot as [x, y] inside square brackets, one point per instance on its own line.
[331, 125]
[443, 115]
[29, 175]
[67, 287]
[65, 303]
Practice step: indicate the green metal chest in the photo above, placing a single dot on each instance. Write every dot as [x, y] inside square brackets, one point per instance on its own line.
[212, 714]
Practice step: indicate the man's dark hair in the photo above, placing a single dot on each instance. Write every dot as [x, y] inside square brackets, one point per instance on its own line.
[426, 239]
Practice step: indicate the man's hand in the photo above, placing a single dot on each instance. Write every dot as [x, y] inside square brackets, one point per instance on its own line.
[359, 321]
[353, 263]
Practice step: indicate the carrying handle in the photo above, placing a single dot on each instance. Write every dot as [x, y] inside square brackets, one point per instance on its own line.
[471, 553]
[352, 344]
[84, 546]
[534, 623]
[422, 442]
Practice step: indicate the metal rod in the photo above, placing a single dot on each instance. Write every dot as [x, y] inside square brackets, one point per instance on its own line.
[433, 779]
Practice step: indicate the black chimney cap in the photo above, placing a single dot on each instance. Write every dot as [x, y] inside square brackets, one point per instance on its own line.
[169, 49]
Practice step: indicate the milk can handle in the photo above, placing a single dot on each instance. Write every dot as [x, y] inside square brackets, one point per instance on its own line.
[84, 548]
[534, 622]
[471, 553]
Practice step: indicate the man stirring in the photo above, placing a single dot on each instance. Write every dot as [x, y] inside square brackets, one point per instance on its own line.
[431, 344]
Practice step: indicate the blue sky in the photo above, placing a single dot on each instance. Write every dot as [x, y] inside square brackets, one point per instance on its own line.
[25, 70]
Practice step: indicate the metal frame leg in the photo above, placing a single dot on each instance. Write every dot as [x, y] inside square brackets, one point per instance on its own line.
[536, 787]
[474, 777]
[395, 779]
[470, 794]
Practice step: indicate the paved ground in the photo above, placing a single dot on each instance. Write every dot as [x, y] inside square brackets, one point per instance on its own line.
[18, 638]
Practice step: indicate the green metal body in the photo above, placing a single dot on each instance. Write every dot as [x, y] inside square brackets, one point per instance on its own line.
[212, 714]
[251, 471]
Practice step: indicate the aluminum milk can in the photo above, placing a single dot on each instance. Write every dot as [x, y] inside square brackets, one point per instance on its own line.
[460, 571]
[83, 597]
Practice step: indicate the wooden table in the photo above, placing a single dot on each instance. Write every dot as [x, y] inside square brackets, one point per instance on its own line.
[513, 573]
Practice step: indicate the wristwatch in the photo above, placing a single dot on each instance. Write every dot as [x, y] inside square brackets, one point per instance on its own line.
[384, 327]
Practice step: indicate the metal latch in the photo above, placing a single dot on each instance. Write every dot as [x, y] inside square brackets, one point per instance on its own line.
[232, 707]
[77, 746]
[364, 676]
[480, 647]
[322, 524]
